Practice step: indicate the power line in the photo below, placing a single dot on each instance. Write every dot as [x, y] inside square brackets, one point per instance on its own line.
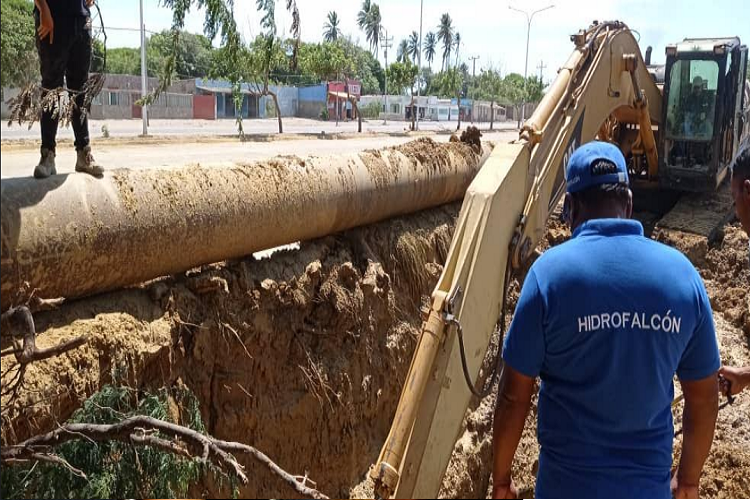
[116, 28]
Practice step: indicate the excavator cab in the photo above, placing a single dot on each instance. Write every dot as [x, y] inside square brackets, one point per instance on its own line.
[702, 115]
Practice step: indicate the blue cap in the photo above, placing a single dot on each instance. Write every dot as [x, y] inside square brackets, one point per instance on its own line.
[593, 164]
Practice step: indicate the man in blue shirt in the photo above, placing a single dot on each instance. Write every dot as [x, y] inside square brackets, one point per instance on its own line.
[605, 320]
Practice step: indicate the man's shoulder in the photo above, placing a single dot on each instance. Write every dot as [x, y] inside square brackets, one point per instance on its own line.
[641, 249]
[661, 253]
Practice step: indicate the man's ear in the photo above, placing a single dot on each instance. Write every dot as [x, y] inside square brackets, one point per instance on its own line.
[630, 204]
[567, 213]
[745, 190]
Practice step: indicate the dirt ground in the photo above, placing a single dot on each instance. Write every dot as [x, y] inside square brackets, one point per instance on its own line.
[303, 355]
[724, 267]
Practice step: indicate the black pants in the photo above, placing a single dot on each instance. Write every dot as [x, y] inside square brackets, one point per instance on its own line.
[66, 62]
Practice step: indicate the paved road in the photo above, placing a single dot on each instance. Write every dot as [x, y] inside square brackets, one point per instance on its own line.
[20, 162]
[133, 128]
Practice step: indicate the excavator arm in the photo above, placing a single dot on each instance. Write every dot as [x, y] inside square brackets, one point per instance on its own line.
[502, 220]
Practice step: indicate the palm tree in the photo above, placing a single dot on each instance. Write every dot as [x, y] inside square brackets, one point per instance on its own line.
[430, 44]
[402, 54]
[368, 20]
[362, 14]
[331, 30]
[413, 49]
[457, 44]
[445, 35]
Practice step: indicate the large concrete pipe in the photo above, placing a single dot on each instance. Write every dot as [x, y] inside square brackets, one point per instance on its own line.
[73, 235]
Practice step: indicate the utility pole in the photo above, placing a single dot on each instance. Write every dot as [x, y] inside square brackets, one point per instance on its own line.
[419, 64]
[541, 69]
[386, 42]
[474, 66]
[144, 74]
[529, 18]
[474, 82]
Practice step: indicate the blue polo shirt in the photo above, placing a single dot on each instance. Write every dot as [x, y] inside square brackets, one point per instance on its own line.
[606, 320]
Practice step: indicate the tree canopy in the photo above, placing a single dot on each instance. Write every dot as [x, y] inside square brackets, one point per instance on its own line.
[20, 64]
[401, 76]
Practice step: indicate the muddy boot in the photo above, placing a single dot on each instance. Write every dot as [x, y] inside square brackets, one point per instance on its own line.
[46, 166]
[86, 164]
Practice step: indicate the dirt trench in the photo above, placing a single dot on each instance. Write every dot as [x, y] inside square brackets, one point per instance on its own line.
[303, 355]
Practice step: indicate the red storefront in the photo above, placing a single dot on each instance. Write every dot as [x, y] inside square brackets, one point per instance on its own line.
[339, 94]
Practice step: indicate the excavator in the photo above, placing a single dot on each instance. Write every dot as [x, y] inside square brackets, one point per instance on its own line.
[678, 126]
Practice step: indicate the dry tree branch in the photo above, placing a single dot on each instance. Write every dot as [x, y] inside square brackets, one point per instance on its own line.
[28, 352]
[140, 430]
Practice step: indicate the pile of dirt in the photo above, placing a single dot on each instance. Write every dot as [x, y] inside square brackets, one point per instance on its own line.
[724, 269]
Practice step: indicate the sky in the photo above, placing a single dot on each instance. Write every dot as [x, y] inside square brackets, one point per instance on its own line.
[489, 29]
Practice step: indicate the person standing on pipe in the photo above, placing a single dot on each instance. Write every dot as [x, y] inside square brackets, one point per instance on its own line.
[63, 41]
[604, 325]
[735, 380]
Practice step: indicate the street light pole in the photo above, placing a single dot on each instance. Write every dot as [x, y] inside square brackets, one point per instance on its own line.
[474, 82]
[529, 18]
[144, 74]
[386, 42]
[419, 63]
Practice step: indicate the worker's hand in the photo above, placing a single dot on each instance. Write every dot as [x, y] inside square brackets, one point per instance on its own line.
[735, 379]
[89, 3]
[681, 490]
[507, 490]
[46, 25]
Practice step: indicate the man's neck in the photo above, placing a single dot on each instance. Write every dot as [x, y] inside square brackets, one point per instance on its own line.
[614, 213]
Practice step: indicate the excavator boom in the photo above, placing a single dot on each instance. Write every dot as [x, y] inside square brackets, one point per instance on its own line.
[502, 220]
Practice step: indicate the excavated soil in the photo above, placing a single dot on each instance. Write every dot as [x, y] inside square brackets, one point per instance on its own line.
[303, 355]
[724, 268]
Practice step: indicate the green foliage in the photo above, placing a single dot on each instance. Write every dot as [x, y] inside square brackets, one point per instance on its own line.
[115, 469]
[372, 110]
[97, 56]
[324, 114]
[192, 59]
[534, 89]
[430, 47]
[20, 63]
[401, 75]
[327, 61]
[447, 83]
[363, 66]
[331, 29]
[445, 36]
[412, 46]
[370, 21]
[488, 86]
[270, 109]
[402, 53]
[512, 89]
[124, 61]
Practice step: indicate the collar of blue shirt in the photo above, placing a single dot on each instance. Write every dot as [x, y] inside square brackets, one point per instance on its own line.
[609, 227]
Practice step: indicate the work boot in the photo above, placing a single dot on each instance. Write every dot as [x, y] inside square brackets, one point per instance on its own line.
[86, 164]
[46, 166]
